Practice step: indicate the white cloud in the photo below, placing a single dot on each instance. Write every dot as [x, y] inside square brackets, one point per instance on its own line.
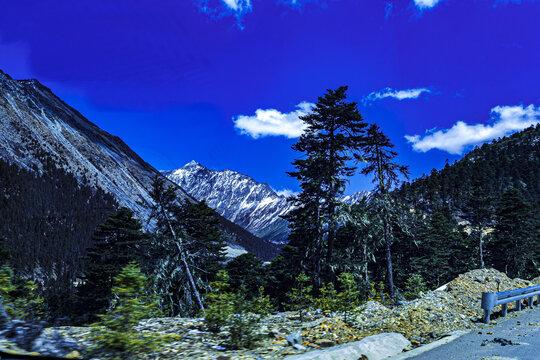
[238, 5]
[396, 94]
[426, 4]
[218, 8]
[506, 120]
[272, 122]
[286, 193]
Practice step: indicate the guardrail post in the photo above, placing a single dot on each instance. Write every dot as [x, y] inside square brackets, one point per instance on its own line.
[518, 305]
[505, 309]
[488, 303]
[531, 301]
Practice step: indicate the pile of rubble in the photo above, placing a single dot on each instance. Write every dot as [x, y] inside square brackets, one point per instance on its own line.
[429, 317]
[454, 306]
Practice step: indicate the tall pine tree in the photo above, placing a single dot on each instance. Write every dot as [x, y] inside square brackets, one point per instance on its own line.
[116, 242]
[334, 129]
[380, 162]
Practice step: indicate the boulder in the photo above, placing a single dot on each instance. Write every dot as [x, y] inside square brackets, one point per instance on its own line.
[376, 347]
[294, 338]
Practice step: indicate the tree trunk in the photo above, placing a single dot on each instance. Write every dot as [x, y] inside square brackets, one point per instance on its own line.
[388, 257]
[366, 278]
[481, 249]
[184, 261]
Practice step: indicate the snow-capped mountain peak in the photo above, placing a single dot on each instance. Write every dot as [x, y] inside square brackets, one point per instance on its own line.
[254, 206]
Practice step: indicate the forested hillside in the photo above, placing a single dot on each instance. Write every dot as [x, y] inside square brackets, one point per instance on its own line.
[510, 162]
[47, 219]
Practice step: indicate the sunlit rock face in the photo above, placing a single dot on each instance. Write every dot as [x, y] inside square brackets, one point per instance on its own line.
[36, 126]
[254, 206]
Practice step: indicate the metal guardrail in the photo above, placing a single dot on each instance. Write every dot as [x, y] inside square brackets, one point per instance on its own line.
[490, 300]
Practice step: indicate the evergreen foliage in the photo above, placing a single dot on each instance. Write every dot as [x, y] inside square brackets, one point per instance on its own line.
[187, 242]
[117, 242]
[242, 324]
[334, 129]
[20, 297]
[261, 304]
[232, 311]
[327, 300]
[299, 296]
[47, 221]
[113, 336]
[246, 273]
[516, 239]
[219, 303]
[380, 162]
[348, 298]
[414, 286]
[508, 162]
[444, 250]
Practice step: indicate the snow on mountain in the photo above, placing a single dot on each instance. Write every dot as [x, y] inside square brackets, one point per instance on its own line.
[36, 127]
[254, 206]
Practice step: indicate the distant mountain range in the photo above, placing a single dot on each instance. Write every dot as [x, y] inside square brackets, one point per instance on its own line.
[254, 206]
[38, 128]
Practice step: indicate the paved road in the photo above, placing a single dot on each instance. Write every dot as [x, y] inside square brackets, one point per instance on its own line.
[522, 328]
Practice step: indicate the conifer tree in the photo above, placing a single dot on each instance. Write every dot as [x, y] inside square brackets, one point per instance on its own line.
[514, 249]
[116, 242]
[444, 253]
[334, 129]
[219, 302]
[479, 209]
[245, 272]
[300, 296]
[20, 296]
[114, 334]
[201, 224]
[380, 162]
[349, 296]
[173, 241]
[327, 300]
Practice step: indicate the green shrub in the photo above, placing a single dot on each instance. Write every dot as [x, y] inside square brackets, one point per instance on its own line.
[231, 311]
[261, 304]
[219, 303]
[113, 335]
[242, 325]
[413, 286]
[349, 297]
[327, 301]
[299, 297]
[20, 296]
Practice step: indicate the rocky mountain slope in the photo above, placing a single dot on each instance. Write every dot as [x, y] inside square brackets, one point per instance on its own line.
[35, 122]
[37, 127]
[254, 206]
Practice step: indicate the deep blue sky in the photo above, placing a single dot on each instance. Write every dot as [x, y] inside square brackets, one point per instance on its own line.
[170, 76]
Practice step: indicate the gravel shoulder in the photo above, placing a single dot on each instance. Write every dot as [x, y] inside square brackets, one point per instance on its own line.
[514, 337]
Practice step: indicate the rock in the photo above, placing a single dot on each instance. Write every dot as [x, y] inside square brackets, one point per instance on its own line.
[54, 345]
[299, 347]
[73, 355]
[374, 347]
[219, 348]
[223, 357]
[4, 317]
[324, 343]
[294, 338]
[275, 334]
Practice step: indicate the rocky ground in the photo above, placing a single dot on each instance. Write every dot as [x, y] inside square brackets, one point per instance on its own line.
[429, 317]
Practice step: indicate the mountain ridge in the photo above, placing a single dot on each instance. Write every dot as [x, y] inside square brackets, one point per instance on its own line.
[255, 206]
[38, 127]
